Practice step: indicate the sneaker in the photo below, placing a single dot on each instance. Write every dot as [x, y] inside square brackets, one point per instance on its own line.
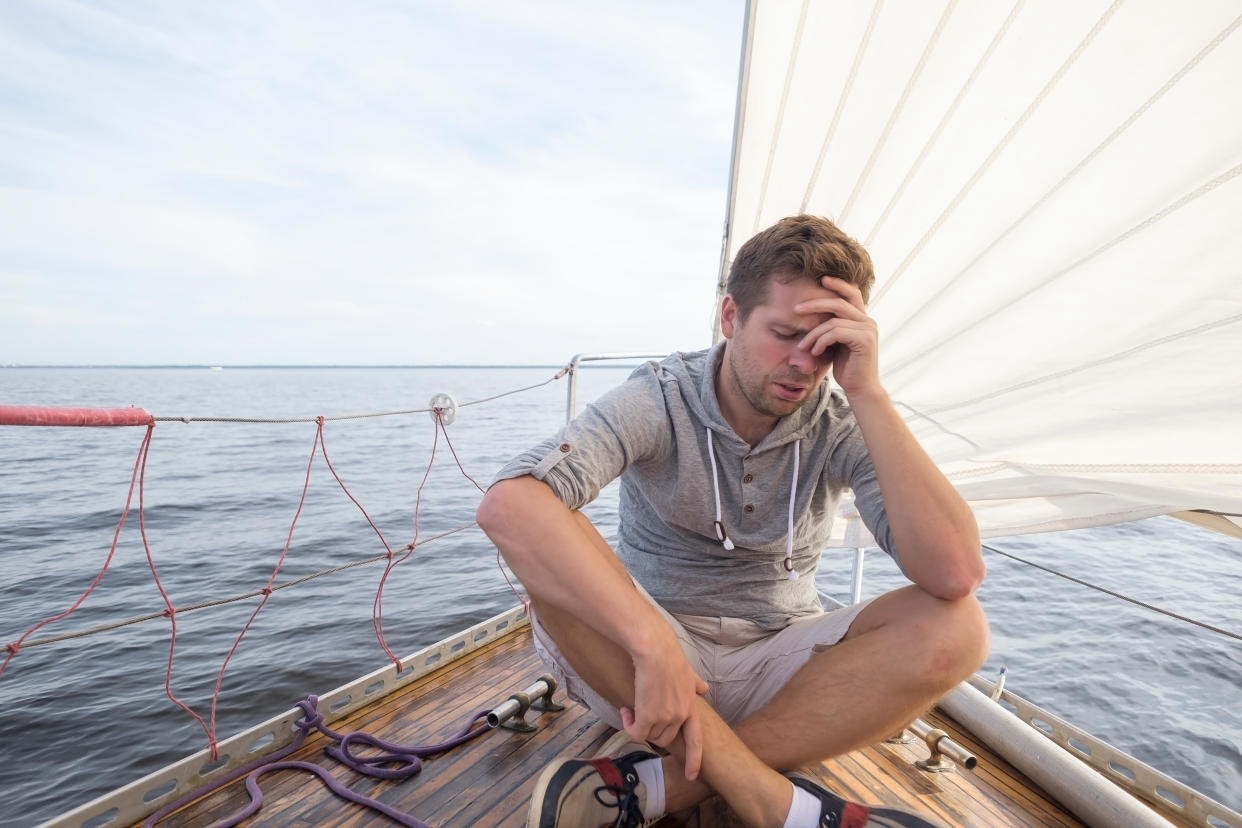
[835, 812]
[621, 743]
[586, 793]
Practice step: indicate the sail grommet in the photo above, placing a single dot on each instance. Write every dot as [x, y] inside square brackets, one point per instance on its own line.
[443, 408]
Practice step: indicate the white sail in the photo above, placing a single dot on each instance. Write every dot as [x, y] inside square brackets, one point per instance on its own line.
[1051, 195]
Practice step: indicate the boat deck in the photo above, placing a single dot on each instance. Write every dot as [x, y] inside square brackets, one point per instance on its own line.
[488, 781]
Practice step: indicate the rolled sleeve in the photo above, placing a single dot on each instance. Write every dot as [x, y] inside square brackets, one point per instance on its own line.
[625, 425]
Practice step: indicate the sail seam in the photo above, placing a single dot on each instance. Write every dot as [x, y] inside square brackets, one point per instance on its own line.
[897, 110]
[944, 122]
[1096, 363]
[1090, 156]
[1162, 214]
[841, 101]
[999, 148]
[780, 115]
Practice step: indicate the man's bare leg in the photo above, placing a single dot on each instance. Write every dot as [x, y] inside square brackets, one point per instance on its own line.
[757, 793]
[902, 652]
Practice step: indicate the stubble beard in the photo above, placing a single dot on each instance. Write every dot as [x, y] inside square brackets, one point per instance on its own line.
[757, 394]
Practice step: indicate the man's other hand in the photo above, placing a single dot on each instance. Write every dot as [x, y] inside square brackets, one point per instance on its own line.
[665, 702]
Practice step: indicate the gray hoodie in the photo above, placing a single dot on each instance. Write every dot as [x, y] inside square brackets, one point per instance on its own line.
[681, 465]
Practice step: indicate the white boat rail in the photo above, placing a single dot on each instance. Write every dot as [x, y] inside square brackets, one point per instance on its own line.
[1081, 792]
[571, 403]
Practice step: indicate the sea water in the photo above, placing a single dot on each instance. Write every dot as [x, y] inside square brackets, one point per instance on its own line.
[83, 716]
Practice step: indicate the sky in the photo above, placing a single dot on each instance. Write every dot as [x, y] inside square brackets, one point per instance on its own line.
[361, 183]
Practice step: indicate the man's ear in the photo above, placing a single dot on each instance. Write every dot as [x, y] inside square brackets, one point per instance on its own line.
[728, 316]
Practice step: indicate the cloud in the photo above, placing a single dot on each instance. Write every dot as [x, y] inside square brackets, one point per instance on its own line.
[370, 182]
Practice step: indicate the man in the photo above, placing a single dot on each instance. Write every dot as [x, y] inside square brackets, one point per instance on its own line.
[703, 634]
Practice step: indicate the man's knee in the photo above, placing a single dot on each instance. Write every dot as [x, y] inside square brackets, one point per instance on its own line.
[946, 641]
[954, 641]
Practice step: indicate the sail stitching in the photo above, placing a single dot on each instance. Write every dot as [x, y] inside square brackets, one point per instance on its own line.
[780, 114]
[979, 472]
[1173, 80]
[944, 122]
[841, 101]
[1095, 363]
[915, 76]
[998, 149]
[1099, 251]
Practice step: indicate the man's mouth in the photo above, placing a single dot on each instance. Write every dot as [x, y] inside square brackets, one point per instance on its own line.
[790, 391]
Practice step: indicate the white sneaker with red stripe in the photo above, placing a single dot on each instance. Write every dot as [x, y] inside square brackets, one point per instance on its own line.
[589, 793]
[836, 812]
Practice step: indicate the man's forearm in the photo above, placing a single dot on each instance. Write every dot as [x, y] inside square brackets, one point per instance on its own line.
[933, 528]
[567, 564]
[564, 561]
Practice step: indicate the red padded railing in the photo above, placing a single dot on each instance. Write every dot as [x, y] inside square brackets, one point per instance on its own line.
[44, 415]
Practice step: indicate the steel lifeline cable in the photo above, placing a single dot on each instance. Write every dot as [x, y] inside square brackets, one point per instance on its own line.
[95, 417]
[408, 757]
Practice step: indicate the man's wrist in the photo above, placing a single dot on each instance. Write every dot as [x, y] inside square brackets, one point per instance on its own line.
[869, 397]
[651, 640]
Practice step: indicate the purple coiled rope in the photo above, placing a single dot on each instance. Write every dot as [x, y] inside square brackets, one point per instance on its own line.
[410, 756]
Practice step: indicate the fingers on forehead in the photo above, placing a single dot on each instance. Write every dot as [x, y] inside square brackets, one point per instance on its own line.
[826, 305]
[848, 290]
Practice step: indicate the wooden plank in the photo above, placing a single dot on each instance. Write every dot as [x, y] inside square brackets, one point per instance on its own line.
[489, 780]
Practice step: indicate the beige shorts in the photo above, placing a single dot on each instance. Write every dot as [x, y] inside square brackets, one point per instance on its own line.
[744, 664]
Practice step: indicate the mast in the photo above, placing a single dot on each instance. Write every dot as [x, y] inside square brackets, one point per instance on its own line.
[739, 122]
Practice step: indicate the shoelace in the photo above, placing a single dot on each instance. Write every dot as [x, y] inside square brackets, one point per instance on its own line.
[629, 814]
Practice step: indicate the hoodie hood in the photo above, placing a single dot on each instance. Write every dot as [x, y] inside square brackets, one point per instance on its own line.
[696, 377]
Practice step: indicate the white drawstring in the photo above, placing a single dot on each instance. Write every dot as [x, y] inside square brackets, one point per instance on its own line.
[793, 495]
[720, 531]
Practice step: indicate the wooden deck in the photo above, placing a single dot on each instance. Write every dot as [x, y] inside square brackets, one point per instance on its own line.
[488, 781]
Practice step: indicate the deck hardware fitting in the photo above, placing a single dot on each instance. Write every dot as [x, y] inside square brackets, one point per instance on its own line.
[902, 738]
[443, 408]
[937, 762]
[511, 715]
[945, 753]
[544, 703]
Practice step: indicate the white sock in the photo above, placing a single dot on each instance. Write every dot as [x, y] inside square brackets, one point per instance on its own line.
[804, 810]
[651, 775]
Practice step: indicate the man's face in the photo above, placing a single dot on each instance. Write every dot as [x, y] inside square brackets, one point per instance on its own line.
[765, 365]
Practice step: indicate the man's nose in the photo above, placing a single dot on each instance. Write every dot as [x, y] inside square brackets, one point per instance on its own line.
[803, 361]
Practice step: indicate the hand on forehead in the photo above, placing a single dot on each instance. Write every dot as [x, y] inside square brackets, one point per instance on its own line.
[827, 296]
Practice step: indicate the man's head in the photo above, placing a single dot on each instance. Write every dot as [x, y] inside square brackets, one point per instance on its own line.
[766, 374]
[798, 247]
